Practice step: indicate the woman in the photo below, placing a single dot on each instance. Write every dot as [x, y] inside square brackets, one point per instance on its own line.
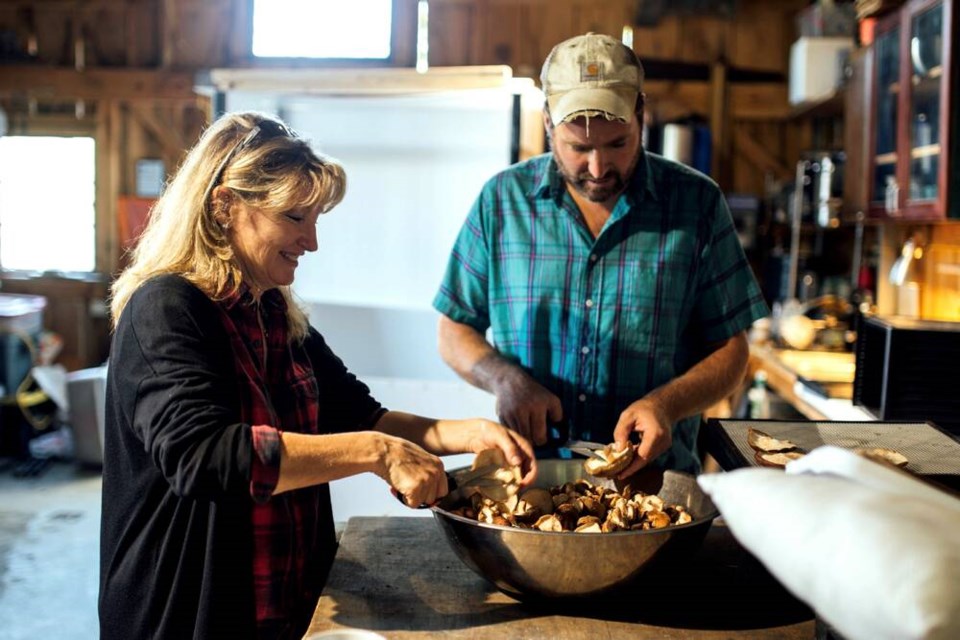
[227, 414]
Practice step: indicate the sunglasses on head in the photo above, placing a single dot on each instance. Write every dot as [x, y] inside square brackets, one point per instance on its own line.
[265, 130]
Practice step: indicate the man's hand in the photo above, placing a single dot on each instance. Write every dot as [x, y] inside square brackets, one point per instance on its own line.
[526, 406]
[522, 403]
[650, 420]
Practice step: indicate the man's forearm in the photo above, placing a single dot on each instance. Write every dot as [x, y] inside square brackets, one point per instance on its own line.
[474, 359]
[705, 383]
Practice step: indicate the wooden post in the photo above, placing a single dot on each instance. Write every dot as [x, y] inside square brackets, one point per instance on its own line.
[719, 132]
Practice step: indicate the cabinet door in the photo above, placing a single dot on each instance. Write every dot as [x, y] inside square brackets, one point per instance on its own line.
[884, 197]
[923, 175]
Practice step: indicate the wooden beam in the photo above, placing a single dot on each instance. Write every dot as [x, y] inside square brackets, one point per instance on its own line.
[372, 81]
[95, 84]
[166, 134]
[671, 100]
[759, 101]
[114, 179]
[106, 215]
[720, 123]
[169, 28]
[746, 101]
[759, 157]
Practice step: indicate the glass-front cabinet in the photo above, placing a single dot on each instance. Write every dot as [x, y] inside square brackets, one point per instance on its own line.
[884, 196]
[912, 80]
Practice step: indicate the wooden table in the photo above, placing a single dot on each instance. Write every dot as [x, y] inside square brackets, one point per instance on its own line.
[399, 577]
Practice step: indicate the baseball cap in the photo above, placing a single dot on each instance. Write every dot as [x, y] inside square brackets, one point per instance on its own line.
[591, 75]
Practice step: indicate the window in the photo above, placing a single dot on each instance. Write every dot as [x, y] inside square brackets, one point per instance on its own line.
[47, 215]
[322, 28]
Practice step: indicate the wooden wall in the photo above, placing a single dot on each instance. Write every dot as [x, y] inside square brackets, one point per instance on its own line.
[124, 71]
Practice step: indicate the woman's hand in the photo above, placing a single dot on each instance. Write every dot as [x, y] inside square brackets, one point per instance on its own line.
[479, 434]
[405, 434]
[416, 475]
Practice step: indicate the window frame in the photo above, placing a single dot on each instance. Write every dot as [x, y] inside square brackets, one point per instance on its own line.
[104, 237]
[403, 43]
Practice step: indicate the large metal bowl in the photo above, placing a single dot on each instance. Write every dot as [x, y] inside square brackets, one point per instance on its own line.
[532, 564]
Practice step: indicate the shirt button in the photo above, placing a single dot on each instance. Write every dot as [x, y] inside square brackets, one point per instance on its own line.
[582, 397]
[593, 257]
[585, 350]
[589, 302]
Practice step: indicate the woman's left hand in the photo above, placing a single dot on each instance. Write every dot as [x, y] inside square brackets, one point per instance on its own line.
[480, 434]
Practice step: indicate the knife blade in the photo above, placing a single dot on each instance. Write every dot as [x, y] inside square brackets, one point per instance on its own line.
[467, 476]
[458, 484]
[584, 447]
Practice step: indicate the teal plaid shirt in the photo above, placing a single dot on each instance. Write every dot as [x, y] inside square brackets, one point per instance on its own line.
[601, 322]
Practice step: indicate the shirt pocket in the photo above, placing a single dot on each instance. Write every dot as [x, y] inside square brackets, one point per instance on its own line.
[305, 387]
[659, 287]
[301, 409]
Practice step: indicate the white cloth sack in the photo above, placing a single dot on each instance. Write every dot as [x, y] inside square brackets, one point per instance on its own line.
[873, 551]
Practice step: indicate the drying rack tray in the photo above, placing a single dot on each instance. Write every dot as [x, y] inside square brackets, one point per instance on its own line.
[931, 452]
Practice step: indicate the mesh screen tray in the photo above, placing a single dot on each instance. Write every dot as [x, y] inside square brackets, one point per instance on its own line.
[932, 453]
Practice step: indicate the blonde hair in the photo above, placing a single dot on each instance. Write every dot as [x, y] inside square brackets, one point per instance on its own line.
[182, 236]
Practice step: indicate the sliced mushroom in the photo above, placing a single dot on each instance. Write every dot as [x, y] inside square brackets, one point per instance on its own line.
[489, 457]
[777, 459]
[592, 527]
[658, 519]
[609, 462]
[766, 443]
[500, 483]
[593, 507]
[487, 514]
[648, 502]
[539, 498]
[508, 475]
[548, 523]
[568, 515]
[561, 498]
[882, 455]
[496, 491]
[615, 520]
[585, 520]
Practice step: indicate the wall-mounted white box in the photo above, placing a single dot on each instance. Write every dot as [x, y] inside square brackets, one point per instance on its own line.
[816, 67]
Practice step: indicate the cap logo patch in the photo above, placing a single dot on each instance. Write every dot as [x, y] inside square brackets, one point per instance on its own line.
[591, 71]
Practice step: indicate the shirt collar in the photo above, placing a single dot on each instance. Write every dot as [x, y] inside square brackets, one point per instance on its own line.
[550, 184]
[271, 299]
[644, 181]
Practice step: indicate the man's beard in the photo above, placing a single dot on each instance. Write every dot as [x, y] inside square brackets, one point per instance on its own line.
[585, 185]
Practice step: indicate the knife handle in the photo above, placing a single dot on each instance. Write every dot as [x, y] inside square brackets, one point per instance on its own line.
[558, 433]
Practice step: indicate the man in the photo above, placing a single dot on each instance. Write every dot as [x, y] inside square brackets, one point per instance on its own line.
[613, 280]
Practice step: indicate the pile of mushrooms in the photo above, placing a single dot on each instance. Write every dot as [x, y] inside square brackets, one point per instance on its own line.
[578, 506]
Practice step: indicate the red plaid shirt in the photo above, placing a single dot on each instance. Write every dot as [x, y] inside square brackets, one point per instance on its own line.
[278, 391]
